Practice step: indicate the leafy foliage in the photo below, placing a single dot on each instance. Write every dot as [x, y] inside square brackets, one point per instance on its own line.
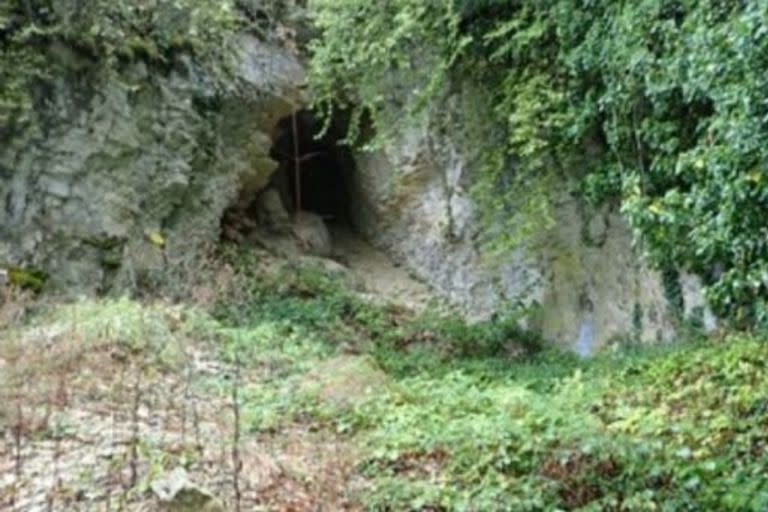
[675, 427]
[457, 427]
[158, 331]
[659, 104]
[312, 303]
[344, 74]
[642, 433]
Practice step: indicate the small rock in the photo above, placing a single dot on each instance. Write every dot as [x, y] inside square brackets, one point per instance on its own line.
[330, 265]
[271, 211]
[249, 223]
[232, 234]
[57, 188]
[312, 234]
[177, 493]
[598, 228]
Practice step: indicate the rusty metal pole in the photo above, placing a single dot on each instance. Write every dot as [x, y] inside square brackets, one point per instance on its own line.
[296, 162]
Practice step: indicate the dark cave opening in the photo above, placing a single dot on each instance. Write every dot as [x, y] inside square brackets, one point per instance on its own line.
[309, 195]
[314, 174]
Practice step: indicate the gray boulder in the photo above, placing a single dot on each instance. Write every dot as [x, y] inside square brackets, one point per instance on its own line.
[312, 234]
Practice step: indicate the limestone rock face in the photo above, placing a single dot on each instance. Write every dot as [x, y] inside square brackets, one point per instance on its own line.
[589, 282]
[149, 153]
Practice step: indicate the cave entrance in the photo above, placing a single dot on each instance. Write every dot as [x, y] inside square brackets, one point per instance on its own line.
[314, 173]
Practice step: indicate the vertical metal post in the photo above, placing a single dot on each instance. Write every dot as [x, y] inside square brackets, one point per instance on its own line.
[296, 162]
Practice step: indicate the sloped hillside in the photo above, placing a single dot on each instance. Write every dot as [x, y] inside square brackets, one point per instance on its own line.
[294, 393]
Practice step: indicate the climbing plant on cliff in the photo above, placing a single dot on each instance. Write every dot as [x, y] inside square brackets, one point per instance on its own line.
[389, 66]
[39, 38]
[660, 105]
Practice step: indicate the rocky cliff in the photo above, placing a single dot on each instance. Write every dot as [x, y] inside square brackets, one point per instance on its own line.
[582, 283]
[132, 174]
[127, 181]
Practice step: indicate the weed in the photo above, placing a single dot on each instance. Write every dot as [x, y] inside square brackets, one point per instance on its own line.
[382, 409]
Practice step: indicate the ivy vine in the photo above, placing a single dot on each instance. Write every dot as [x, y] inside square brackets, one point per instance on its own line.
[659, 104]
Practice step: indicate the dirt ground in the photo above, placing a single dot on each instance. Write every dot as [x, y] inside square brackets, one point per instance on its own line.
[86, 430]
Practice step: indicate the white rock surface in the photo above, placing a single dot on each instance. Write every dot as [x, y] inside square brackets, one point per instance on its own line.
[589, 280]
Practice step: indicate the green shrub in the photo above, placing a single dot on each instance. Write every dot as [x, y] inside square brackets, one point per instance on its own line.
[310, 301]
[673, 427]
[158, 331]
[680, 430]
[452, 425]
[28, 279]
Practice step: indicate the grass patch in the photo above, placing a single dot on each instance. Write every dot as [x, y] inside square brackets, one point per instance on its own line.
[90, 339]
[685, 430]
[682, 429]
[437, 413]
[461, 427]
[312, 302]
